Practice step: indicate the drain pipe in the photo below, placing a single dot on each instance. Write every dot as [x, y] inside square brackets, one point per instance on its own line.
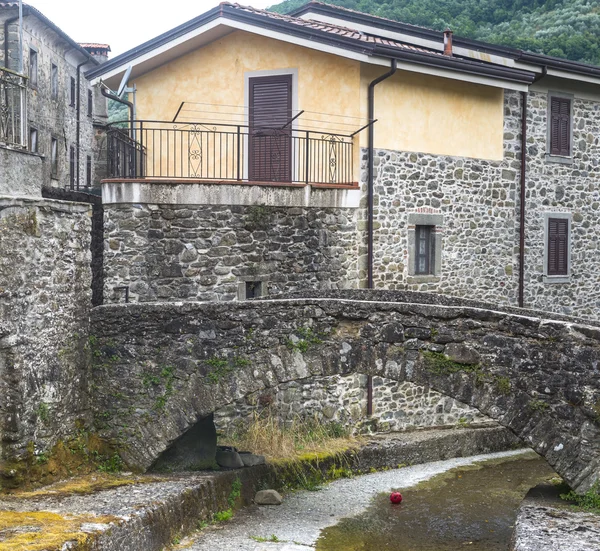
[370, 204]
[524, 98]
[106, 94]
[370, 170]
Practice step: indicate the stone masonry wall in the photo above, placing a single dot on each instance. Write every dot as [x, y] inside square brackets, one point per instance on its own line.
[159, 368]
[172, 253]
[397, 406]
[45, 298]
[572, 188]
[477, 199]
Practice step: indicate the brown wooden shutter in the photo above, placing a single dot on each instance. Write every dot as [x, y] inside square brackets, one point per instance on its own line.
[270, 146]
[560, 126]
[558, 246]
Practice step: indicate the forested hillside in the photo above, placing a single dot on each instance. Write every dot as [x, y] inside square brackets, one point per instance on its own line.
[562, 28]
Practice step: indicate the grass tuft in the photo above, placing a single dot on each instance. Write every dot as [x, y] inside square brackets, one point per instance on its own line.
[300, 439]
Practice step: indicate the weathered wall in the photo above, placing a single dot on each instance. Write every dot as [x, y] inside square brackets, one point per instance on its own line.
[397, 406]
[572, 188]
[434, 115]
[52, 116]
[45, 292]
[20, 173]
[202, 252]
[162, 367]
[477, 200]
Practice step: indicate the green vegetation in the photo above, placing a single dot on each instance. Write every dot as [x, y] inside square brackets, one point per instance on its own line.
[236, 492]
[305, 338]
[590, 501]
[260, 539]
[221, 367]
[538, 405]
[561, 28]
[503, 385]
[43, 412]
[222, 516]
[439, 364]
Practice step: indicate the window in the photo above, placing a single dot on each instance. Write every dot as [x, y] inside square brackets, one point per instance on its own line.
[54, 81]
[424, 250]
[557, 262]
[88, 171]
[248, 290]
[90, 103]
[33, 68]
[33, 140]
[425, 244]
[54, 157]
[560, 127]
[72, 167]
[72, 98]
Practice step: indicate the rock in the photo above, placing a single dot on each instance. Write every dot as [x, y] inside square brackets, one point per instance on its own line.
[251, 460]
[229, 458]
[268, 497]
[462, 354]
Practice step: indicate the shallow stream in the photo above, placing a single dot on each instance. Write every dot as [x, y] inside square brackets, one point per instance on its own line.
[471, 507]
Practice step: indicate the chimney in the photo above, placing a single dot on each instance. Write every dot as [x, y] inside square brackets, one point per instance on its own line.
[448, 42]
[97, 51]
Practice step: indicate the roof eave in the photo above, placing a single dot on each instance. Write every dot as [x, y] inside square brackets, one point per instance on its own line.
[458, 64]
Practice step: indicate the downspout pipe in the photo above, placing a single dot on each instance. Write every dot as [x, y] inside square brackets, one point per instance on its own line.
[524, 99]
[523, 184]
[106, 94]
[370, 194]
[370, 171]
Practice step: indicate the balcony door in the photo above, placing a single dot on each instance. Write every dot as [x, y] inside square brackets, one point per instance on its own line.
[270, 137]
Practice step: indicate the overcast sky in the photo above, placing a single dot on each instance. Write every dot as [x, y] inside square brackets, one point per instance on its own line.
[124, 24]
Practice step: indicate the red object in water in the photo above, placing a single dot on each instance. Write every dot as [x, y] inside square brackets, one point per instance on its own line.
[395, 497]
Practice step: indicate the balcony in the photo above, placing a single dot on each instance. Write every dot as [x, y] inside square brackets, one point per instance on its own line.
[13, 109]
[209, 153]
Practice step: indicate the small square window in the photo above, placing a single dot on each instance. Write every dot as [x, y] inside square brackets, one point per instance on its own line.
[73, 98]
[424, 250]
[33, 140]
[33, 68]
[253, 289]
[54, 157]
[54, 81]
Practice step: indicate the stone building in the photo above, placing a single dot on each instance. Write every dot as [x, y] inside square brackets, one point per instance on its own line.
[49, 106]
[414, 179]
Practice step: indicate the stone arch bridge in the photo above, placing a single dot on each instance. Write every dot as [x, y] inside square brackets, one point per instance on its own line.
[161, 367]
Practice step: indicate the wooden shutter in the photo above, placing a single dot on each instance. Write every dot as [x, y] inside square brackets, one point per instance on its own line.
[270, 146]
[558, 246]
[560, 126]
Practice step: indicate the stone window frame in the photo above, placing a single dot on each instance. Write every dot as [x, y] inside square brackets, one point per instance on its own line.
[425, 219]
[54, 153]
[557, 278]
[54, 81]
[558, 158]
[264, 291]
[33, 70]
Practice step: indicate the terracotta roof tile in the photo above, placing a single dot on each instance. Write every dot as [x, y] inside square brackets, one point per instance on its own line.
[335, 29]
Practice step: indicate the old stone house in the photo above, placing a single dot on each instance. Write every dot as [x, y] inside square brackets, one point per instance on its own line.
[332, 149]
[48, 106]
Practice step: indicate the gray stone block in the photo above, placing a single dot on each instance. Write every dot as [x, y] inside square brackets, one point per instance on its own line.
[268, 497]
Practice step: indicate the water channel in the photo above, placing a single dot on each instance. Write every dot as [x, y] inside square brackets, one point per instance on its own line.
[465, 503]
[472, 507]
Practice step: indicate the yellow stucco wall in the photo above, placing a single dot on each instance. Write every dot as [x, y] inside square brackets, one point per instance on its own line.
[428, 114]
[415, 112]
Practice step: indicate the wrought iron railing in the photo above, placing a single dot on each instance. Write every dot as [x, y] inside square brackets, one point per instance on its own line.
[13, 108]
[223, 152]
